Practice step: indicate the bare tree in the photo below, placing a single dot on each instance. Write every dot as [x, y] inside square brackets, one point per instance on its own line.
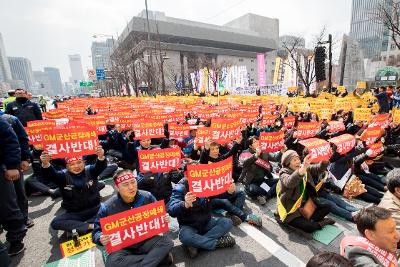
[302, 60]
[388, 14]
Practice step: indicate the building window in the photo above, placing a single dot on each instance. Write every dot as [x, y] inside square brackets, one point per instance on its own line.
[252, 60]
[252, 80]
[240, 59]
[252, 69]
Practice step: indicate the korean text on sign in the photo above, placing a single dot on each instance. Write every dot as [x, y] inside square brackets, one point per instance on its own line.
[69, 142]
[344, 143]
[159, 160]
[133, 226]
[68, 248]
[178, 131]
[319, 149]
[148, 130]
[225, 130]
[307, 129]
[207, 180]
[272, 141]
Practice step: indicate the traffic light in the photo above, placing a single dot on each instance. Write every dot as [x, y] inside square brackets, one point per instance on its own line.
[319, 63]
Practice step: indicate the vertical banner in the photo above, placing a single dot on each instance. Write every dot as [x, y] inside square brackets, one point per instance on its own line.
[135, 225]
[212, 179]
[261, 69]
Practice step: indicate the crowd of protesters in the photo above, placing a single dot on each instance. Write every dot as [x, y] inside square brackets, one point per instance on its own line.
[306, 192]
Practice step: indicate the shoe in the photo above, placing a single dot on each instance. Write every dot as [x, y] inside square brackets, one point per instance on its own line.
[326, 221]
[192, 251]
[254, 220]
[225, 242]
[15, 248]
[168, 260]
[29, 223]
[261, 200]
[235, 220]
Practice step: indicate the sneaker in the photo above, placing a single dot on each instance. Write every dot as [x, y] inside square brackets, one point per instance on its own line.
[261, 200]
[235, 220]
[168, 260]
[254, 220]
[29, 223]
[192, 251]
[326, 221]
[15, 248]
[225, 242]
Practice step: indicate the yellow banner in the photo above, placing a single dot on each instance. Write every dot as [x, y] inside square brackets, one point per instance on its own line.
[362, 85]
[362, 114]
[85, 243]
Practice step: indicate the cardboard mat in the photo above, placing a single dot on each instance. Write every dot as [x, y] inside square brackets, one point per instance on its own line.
[84, 259]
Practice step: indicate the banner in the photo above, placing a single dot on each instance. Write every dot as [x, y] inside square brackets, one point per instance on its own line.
[307, 129]
[381, 120]
[272, 141]
[325, 113]
[34, 130]
[68, 248]
[376, 148]
[344, 143]
[147, 130]
[159, 160]
[178, 131]
[202, 135]
[370, 135]
[336, 126]
[289, 122]
[135, 225]
[206, 180]
[268, 120]
[70, 142]
[225, 130]
[319, 149]
[261, 69]
[362, 114]
[98, 122]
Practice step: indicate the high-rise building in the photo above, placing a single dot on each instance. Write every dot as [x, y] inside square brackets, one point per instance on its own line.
[21, 69]
[5, 72]
[372, 36]
[101, 54]
[55, 80]
[75, 63]
[44, 84]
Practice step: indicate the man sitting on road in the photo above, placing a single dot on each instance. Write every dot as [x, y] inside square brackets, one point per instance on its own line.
[377, 244]
[151, 252]
[198, 229]
[391, 199]
[79, 188]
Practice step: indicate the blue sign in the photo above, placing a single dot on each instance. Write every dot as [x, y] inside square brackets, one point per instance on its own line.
[100, 74]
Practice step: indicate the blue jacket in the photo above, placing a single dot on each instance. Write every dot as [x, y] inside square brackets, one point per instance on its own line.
[10, 151]
[197, 216]
[21, 134]
[115, 205]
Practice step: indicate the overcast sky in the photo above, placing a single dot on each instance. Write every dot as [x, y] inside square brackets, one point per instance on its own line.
[47, 31]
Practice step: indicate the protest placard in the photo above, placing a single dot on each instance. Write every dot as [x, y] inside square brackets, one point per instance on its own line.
[178, 130]
[272, 141]
[307, 129]
[148, 129]
[159, 160]
[344, 143]
[319, 149]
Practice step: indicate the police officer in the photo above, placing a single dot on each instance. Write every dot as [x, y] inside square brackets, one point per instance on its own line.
[11, 216]
[23, 108]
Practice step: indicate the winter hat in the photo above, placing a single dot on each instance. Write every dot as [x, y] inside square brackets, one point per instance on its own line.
[287, 157]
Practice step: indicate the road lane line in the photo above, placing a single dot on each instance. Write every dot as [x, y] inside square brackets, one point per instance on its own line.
[274, 248]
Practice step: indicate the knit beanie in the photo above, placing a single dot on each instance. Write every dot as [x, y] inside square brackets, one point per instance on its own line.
[287, 157]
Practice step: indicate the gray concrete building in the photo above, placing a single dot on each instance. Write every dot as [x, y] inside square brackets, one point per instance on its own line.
[182, 43]
[101, 54]
[55, 80]
[5, 72]
[21, 69]
[43, 83]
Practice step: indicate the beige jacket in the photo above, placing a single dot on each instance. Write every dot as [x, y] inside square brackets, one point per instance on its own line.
[392, 203]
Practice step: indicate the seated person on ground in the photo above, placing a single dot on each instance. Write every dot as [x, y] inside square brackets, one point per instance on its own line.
[391, 199]
[79, 188]
[151, 252]
[377, 243]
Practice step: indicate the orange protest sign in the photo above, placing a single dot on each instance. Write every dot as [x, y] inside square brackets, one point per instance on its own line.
[34, 130]
[135, 225]
[70, 142]
[178, 130]
[370, 135]
[381, 120]
[362, 114]
[307, 129]
[272, 141]
[211, 179]
[149, 129]
[289, 122]
[225, 130]
[159, 160]
[344, 143]
[268, 119]
[336, 126]
[202, 135]
[376, 148]
[319, 149]
[97, 122]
